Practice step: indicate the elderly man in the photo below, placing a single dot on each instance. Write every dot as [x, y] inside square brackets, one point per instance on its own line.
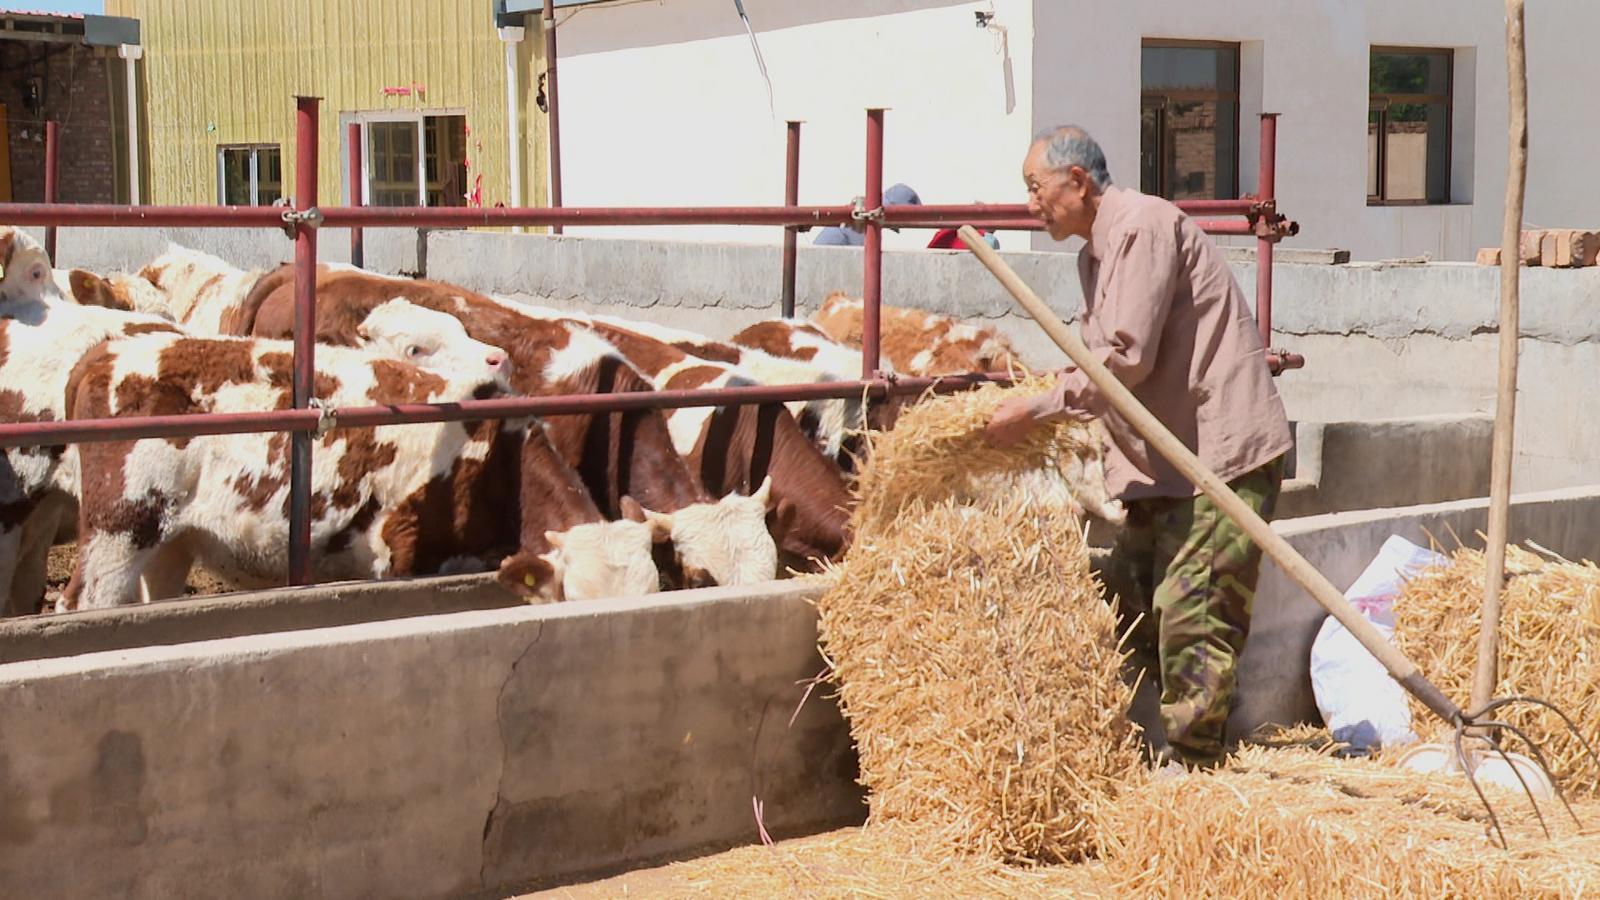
[1163, 312]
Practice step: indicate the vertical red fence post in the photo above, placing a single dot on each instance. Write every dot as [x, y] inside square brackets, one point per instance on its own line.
[552, 100]
[358, 249]
[305, 319]
[872, 258]
[1268, 189]
[791, 197]
[52, 169]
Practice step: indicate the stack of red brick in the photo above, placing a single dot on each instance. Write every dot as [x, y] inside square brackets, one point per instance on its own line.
[1565, 248]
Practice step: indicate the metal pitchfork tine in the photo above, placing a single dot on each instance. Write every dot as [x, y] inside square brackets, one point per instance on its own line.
[1478, 725]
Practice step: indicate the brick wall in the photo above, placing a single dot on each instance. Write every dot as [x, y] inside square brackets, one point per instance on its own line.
[73, 89]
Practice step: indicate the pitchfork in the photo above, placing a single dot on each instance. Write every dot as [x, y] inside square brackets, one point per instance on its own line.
[1485, 723]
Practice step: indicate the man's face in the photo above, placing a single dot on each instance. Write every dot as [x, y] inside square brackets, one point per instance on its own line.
[1058, 197]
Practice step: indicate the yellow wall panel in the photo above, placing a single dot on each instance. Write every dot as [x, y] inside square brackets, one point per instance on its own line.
[227, 73]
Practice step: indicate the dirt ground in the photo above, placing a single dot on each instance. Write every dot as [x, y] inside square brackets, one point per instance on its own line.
[666, 880]
[64, 557]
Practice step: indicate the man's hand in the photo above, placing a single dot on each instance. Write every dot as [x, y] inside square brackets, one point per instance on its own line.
[1011, 422]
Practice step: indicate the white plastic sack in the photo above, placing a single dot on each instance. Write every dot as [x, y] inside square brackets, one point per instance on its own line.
[1362, 706]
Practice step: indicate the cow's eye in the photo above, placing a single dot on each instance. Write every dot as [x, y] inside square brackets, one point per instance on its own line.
[413, 351]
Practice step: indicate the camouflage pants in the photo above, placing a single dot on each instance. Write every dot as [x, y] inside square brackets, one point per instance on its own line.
[1188, 574]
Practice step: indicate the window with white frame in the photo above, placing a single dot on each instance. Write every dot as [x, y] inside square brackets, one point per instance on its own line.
[249, 174]
[413, 159]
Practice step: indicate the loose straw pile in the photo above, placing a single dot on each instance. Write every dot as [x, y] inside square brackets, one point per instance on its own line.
[1549, 646]
[976, 661]
[1296, 823]
[1276, 822]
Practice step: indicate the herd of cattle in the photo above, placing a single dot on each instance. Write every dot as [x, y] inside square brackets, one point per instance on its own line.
[570, 506]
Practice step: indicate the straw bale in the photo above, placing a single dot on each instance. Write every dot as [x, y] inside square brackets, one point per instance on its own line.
[1296, 823]
[936, 451]
[1549, 647]
[976, 660]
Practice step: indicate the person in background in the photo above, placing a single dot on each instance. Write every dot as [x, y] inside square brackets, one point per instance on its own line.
[950, 239]
[853, 234]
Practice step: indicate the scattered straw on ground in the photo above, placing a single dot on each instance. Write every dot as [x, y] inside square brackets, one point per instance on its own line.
[1274, 823]
[1296, 823]
[1549, 644]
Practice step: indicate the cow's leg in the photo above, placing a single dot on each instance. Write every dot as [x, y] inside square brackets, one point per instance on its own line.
[27, 585]
[167, 573]
[109, 567]
[38, 536]
[10, 556]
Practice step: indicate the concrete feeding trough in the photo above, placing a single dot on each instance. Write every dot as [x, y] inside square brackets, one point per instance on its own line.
[451, 752]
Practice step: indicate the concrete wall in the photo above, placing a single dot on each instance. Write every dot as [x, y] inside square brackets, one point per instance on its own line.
[246, 613]
[1274, 682]
[426, 757]
[1379, 463]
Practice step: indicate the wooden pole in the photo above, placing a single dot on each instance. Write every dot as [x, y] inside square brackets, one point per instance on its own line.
[1505, 408]
[1143, 421]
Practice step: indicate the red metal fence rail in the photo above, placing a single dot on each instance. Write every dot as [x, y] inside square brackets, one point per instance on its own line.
[1258, 216]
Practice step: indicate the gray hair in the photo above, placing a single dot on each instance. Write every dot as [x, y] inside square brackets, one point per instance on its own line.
[1069, 145]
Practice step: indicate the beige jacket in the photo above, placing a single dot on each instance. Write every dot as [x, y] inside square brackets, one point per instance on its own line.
[1164, 313]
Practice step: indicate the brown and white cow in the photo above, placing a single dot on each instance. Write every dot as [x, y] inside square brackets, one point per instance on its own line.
[616, 454]
[41, 336]
[203, 293]
[917, 342]
[391, 500]
[798, 339]
[835, 424]
[118, 291]
[25, 272]
[736, 447]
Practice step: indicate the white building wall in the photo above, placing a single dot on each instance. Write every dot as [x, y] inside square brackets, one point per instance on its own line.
[662, 104]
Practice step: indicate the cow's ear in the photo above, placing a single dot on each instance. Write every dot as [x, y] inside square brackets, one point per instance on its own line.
[764, 493]
[631, 510]
[781, 517]
[533, 577]
[550, 586]
[660, 526]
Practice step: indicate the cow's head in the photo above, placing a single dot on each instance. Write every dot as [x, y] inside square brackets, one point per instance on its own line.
[125, 293]
[26, 276]
[428, 339]
[585, 562]
[606, 559]
[726, 542]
